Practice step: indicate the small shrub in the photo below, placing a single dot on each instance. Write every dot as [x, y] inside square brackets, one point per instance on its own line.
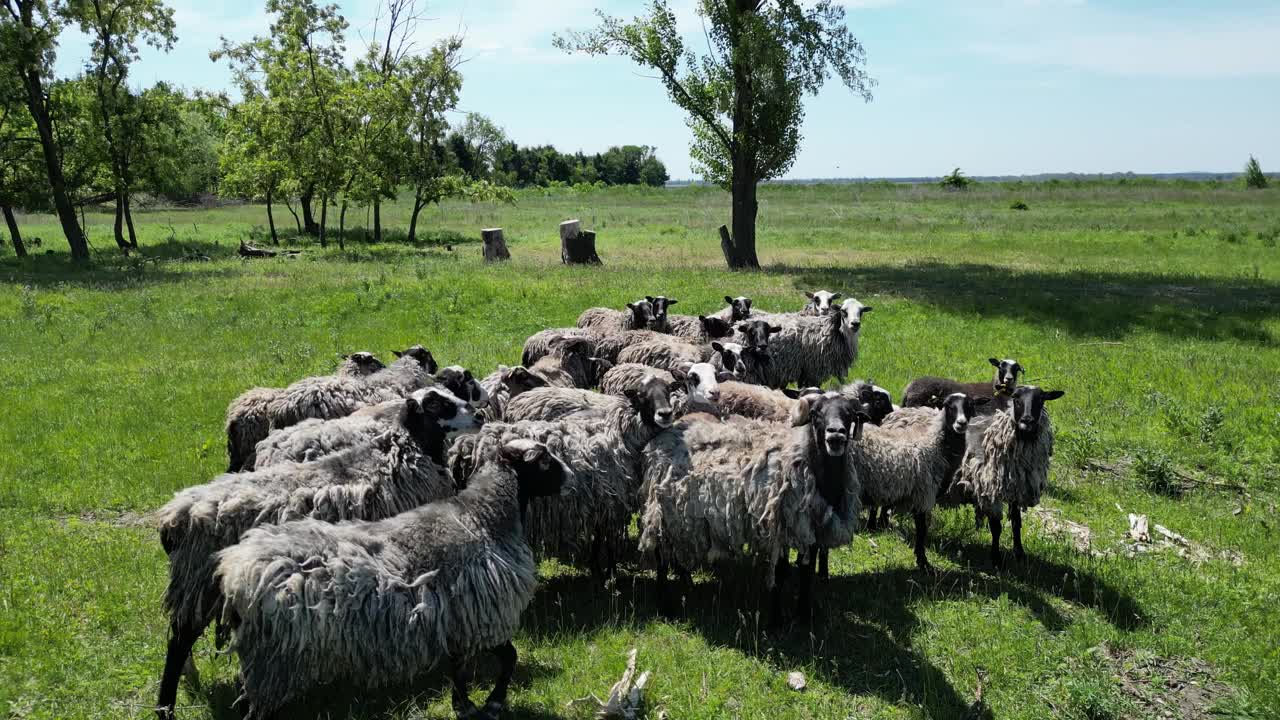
[1232, 236]
[955, 181]
[1156, 473]
[1019, 205]
[1081, 444]
[1253, 176]
[1211, 421]
[1268, 237]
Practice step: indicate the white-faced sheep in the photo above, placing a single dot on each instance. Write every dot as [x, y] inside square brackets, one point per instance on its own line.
[820, 302]
[381, 603]
[905, 463]
[248, 417]
[712, 488]
[739, 308]
[1006, 461]
[808, 350]
[589, 525]
[392, 473]
[929, 391]
[504, 384]
[639, 315]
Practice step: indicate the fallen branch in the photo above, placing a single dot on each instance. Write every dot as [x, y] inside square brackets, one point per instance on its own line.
[251, 251]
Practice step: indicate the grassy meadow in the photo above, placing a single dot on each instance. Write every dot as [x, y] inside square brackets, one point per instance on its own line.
[1156, 307]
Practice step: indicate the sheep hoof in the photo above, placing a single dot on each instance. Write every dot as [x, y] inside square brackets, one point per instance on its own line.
[464, 709]
[492, 710]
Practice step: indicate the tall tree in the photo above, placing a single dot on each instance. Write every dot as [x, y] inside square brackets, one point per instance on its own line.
[115, 27]
[21, 183]
[433, 82]
[28, 33]
[744, 96]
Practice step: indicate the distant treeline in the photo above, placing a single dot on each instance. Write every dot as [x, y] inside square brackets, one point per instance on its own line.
[480, 150]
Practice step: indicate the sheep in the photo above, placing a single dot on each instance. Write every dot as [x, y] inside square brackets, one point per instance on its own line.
[570, 364]
[380, 603]
[928, 391]
[602, 448]
[907, 461]
[754, 334]
[1007, 461]
[695, 388]
[504, 384]
[738, 309]
[820, 302]
[639, 315]
[661, 306]
[711, 488]
[605, 345]
[396, 471]
[665, 355]
[248, 419]
[700, 329]
[314, 438]
[808, 350]
[761, 403]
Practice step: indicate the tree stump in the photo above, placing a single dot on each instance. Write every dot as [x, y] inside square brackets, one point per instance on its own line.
[577, 245]
[495, 246]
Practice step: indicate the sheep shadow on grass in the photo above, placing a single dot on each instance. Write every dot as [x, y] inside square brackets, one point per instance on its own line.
[1090, 303]
[343, 701]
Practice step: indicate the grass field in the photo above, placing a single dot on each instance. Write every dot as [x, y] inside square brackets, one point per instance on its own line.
[1157, 309]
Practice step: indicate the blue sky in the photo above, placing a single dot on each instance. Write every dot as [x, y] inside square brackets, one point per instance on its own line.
[1013, 87]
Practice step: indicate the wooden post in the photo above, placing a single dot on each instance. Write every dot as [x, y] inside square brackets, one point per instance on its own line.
[495, 246]
[577, 245]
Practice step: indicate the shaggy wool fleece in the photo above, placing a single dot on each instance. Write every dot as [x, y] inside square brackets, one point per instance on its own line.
[1000, 466]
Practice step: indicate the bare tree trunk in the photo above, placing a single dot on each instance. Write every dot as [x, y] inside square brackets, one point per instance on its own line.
[377, 220]
[308, 220]
[342, 221]
[53, 163]
[18, 246]
[271, 220]
[413, 219]
[288, 204]
[324, 215]
[743, 186]
[744, 220]
[128, 220]
[119, 225]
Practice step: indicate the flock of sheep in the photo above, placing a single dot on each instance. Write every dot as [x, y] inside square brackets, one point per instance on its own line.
[379, 520]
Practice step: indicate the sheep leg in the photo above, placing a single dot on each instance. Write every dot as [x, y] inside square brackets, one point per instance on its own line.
[884, 517]
[922, 537]
[665, 606]
[871, 518]
[1015, 519]
[993, 522]
[497, 700]
[804, 604]
[780, 572]
[181, 639]
[824, 557]
[462, 705]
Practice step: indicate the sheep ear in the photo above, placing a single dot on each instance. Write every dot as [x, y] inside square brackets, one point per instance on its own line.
[793, 393]
[867, 309]
[466, 375]
[649, 298]
[836, 296]
[718, 347]
[773, 329]
[808, 294]
[1017, 367]
[743, 327]
[346, 357]
[397, 353]
[800, 413]
[994, 362]
[981, 400]
[631, 306]
[414, 407]
[728, 299]
[672, 301]
[725, 376]
[1054, 395]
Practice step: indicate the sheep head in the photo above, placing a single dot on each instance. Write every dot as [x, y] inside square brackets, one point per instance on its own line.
[652, 402]
[739, 307]
[833, 421]
[459, 381]
[1006, 376]
[538, 471]
[1028, 406]
[421, 355]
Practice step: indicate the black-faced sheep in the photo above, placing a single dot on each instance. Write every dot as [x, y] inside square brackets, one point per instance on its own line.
[712, 488]
[504, 384]
[695, 387]
[808, 350]
[639, 315]
[569, 364]
[253, 415]
[739, 309]
[905, 463]
[381, 603]
[929, 391]
[394, 472]
[699, 329]
[1006, 461]
[601, 447]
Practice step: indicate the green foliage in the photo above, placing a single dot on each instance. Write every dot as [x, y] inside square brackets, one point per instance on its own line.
[1253, 176]
[957, 181]
[544, 165]
[1157, 473]
[1016, 205]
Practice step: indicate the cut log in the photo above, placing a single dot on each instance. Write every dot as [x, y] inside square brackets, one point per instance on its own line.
[726, 246]
[250, 251]
[577, 246]
[495, 246]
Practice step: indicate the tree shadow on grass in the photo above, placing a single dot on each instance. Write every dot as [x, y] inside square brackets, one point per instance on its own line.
[1105, 305]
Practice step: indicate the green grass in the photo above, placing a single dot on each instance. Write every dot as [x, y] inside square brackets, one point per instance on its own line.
[1156, 307]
